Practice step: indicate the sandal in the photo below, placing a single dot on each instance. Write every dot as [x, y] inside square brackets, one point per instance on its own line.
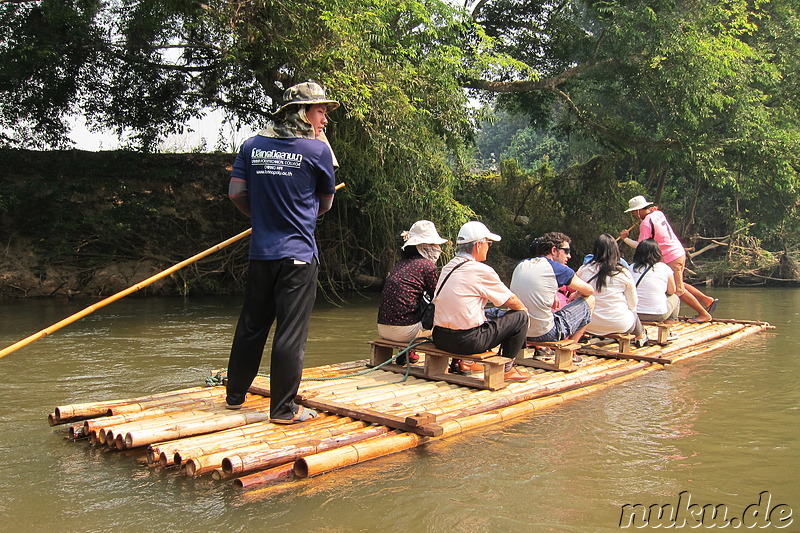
[695, 321]
[302, 415]
[712, 306]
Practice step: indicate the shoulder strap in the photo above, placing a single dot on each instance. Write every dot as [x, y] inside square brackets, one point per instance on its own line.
[448, 277]
[643, 273]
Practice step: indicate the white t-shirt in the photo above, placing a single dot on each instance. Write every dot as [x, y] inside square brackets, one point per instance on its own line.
[615, 306]
[460, 303]
[652, 289]
[535, 282]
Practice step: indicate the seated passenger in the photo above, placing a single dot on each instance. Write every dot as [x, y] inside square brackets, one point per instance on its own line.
[655, 284]
[537, 281]
[614, 292]
[415, 273]
[460, 323]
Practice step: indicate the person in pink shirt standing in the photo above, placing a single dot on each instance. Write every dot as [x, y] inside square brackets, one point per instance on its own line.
[655, 226]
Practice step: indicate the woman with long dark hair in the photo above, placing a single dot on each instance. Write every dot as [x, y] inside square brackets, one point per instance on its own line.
[614, 292]
[655, 284]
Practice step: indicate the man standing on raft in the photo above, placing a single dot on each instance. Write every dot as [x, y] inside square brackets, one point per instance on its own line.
[283, 179]
[655, 226]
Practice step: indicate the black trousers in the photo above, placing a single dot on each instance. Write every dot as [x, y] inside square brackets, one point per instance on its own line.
[276, 290]
[508, 331]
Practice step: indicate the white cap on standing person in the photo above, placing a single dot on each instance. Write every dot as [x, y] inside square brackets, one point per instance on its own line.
[421, 232]
[474, 231]
[637, 202]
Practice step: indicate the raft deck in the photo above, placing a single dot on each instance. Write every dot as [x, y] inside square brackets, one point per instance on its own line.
[365, 412]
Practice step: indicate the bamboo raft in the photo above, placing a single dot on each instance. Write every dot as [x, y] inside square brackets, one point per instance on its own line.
[364, 413]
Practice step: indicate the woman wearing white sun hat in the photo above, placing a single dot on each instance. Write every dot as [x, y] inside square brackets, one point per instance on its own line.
[654, 225]
[398, 317]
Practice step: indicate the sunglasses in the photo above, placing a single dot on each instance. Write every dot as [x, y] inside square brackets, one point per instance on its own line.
[488, 243]
[566, 250]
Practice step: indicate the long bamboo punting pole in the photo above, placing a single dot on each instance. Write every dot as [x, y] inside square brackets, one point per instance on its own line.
[121, 294]
[133, 288]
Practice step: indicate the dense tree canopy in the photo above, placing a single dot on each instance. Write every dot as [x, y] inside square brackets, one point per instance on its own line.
[689, 98]
[693, 102]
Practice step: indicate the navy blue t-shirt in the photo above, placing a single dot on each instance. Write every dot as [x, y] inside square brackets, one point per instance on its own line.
[285, 178]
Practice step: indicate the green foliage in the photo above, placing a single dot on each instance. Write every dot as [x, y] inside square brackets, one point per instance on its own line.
[695, 101]
[691, 102]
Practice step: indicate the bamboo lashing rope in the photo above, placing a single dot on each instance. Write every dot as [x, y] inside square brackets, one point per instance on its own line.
[133, 288]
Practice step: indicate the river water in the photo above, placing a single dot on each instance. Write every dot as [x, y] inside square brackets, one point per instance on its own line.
[721, 429]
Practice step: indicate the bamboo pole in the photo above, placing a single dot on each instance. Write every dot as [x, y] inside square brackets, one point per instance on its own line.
[170, 448]
[202, 464]
[207, 395]
[278, 473]
[143, 437]
[123, 293]
[173, 420]
[325, 428]
[133, 288]
[184, 406]
[247, 462]
[630, 228]
[78, 411]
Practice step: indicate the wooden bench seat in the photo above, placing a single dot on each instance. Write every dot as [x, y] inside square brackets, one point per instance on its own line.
[563, 355]
[663, 331]
[438, 361]
[623, 339]
[624, 350]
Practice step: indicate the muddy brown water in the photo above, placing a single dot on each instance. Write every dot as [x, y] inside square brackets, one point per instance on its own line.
[721, 429]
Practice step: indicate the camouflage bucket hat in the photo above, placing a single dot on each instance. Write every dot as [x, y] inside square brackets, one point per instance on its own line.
[307, 93]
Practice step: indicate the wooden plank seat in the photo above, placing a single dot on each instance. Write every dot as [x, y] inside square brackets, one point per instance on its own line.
[563, 349]
[438, 361]
[663, 331]
[624, 340]
[624, 350]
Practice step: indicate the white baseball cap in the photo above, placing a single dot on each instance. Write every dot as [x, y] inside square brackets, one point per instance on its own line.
[475, 231]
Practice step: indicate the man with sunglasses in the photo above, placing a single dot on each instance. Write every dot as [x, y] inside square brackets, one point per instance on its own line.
[536, 281]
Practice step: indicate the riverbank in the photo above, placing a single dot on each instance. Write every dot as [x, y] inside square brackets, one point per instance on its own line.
[79, 224]
[90, 224]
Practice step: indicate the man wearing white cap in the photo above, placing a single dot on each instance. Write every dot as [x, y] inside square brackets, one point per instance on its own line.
[460, 323]
[655, 226]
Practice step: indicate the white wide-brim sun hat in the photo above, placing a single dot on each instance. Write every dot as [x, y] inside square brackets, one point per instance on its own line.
[422, 232]
[637, 202]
